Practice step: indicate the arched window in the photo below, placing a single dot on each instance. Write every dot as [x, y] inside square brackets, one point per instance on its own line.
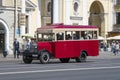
[49, 7]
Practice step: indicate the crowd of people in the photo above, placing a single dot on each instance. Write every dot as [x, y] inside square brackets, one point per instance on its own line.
[113, 47]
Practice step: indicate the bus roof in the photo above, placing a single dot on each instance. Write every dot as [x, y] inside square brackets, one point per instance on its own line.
[66, 26]
[54, 27]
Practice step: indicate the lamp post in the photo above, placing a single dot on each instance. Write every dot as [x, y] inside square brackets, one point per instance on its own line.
[52, 11]
[15, 18]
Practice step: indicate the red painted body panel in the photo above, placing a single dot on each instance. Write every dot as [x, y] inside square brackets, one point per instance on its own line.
[70, 49]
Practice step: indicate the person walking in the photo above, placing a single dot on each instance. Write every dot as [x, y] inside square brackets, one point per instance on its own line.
[117, 48]
[16, 48]
[113, 46]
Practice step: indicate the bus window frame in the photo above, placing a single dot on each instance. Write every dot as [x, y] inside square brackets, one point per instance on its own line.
[64, 30]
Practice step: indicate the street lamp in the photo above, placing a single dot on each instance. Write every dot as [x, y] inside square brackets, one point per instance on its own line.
[52, 11]
[15, 18]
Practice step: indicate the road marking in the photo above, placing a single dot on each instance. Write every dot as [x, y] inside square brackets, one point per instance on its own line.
[59, 70]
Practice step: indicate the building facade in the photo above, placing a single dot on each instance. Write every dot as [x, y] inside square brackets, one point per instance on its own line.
[116, 19]
[100, 13]
[17, 17]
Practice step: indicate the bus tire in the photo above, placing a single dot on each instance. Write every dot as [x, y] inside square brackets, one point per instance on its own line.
[27, 60]
[82, 58]
[44, 57]
[64, 60]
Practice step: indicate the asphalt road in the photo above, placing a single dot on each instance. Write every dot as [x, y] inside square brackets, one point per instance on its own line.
[93, 69]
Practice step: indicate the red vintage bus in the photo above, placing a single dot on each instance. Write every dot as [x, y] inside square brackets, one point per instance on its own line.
[64, 42]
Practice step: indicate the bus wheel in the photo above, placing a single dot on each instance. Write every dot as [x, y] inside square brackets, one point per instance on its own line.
[82, 57]
[44, 57]
[26, 60]
[64, 60]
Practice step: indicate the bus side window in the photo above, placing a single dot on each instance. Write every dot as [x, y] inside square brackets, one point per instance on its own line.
[68, 35]
[76, 35]
[60, 36]
[95, 35]
[82, 35]
[90, 35]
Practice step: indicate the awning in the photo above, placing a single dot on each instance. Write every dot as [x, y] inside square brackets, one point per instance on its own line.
[27, 35]
[44, 31]
[114, 38]
[100, 38]
[115, 32]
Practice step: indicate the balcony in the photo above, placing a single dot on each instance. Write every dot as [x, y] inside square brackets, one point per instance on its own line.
[117, 7]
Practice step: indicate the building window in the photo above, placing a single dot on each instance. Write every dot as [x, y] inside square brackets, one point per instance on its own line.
[117, 1]
[76, 5]
[117, 18]
[49, 8]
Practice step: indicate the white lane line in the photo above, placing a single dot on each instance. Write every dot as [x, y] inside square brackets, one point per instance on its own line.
[59, 70]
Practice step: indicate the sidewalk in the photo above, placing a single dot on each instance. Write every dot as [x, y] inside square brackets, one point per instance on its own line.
[102, 55]
[10, 58]
[105, 55]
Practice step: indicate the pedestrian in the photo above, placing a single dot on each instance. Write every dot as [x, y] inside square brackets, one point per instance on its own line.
[105, 46]
[113, 46]
[101, 46]
[117, 47]
[16, 48]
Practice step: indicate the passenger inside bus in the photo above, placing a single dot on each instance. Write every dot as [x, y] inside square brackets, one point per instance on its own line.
[60, 36]
[68, 37]
[89, 36]
[94, 36]
[75, 36]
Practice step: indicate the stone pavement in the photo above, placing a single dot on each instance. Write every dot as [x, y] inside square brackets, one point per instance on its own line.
[10, 58]
[105, 55]
[102, 55]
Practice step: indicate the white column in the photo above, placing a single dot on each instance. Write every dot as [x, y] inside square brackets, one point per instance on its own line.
[38, 14]
[23, 12]
[85, 18]
[67, 11]
[6, 38]
[56, 16]
[38, 18]
[114, 13]
[112, 16]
